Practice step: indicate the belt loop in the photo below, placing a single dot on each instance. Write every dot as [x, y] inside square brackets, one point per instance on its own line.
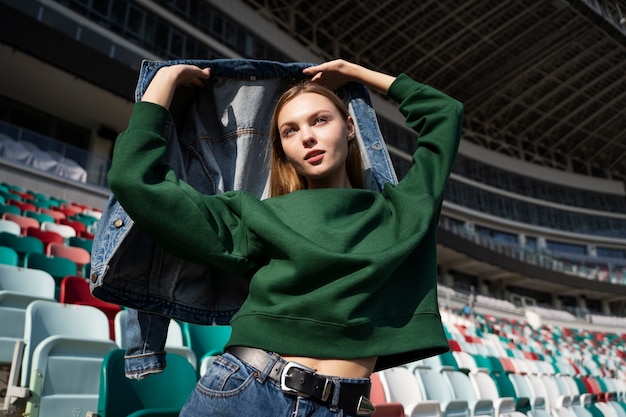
[334, 400]
[269, 368]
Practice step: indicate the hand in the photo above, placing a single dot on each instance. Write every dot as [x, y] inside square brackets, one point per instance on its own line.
[334, 74]
[167, 79]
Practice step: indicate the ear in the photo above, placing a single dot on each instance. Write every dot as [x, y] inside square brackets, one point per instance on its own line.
[351, 128]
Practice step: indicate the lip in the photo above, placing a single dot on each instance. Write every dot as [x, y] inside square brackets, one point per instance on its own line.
[313, 155]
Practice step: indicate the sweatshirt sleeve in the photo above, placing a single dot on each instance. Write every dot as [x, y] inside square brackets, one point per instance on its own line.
[438, 121]
[200, 228]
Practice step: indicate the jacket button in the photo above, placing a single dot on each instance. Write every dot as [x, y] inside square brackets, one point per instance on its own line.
[118, 223]
[94, 278]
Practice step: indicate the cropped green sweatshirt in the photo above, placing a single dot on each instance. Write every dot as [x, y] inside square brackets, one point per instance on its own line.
[336, 273]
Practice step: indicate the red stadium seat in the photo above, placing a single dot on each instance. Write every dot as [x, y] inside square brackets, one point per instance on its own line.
[75, 290]
[46, 236]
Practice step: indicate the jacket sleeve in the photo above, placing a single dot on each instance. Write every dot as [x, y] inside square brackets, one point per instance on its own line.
[200, 228]
[438, 120]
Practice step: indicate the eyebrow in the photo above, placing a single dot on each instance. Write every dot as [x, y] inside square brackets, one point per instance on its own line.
[314, 114]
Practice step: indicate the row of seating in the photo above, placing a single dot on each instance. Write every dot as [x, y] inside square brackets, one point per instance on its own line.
[44, 233]
[488, 373]
[438, 387]
[78, 224]
[425, 373]
[550, 348]
[83, 336]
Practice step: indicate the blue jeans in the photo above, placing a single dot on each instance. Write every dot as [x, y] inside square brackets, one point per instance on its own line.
[231, 388]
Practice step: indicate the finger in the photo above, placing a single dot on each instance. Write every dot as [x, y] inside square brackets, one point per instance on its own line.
[314, 69]
[317, 77]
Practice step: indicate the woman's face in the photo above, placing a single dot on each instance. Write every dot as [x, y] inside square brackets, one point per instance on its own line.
[314, 136]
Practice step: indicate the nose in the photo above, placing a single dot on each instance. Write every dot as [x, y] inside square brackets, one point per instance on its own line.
[308, 138]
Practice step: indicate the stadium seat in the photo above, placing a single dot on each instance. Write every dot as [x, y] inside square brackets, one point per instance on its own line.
[8, 208]
[206, 342]
[46, 236]
[23, 206]
[81, 242]
[61, 341]
[435, 387]
[68, 210]
[486, 388]
[56, 266]
[18, 288]
[8, 256]
[401, 386]
[39, 216]
[78, 226]
[96, 214]
[26, 280]
[10, 226]
[23, 245]
[161, 394]
[23, 221]
[464, 390]
[62, 229]
[75, 290]
[383, 407]
[55, 214]
[507, 364]
[81, 257]
[465, 360]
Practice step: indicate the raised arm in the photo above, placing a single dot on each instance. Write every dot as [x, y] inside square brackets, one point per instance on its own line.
[203, 229]
[165, 82]
[336, 73]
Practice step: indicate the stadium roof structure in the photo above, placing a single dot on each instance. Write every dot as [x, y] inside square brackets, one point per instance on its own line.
[543, 81]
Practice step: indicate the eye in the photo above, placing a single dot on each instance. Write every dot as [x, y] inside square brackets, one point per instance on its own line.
[289, 131]
[321, 119]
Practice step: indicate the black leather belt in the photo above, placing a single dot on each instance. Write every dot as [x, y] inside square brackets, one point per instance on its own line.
[300, 380]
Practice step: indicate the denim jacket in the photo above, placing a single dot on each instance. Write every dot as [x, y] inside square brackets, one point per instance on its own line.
[209, 146]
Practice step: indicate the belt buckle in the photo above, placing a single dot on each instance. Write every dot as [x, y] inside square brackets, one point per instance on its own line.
[283, 377]
[365, 407]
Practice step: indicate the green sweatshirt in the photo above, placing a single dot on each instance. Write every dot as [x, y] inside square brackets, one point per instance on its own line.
[336, 273]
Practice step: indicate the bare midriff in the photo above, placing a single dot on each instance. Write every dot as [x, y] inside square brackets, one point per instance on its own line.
[343, 368]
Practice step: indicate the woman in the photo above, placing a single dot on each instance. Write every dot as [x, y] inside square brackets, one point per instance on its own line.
[343, 279]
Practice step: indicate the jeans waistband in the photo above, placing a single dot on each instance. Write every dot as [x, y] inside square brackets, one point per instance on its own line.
[297, 379]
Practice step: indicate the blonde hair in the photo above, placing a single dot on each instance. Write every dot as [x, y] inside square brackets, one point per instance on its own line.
[284, 178]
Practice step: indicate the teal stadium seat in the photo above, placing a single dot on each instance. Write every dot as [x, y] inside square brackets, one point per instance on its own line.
[23, 245]
[206, 342]
[161, 394]
[8, 256]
